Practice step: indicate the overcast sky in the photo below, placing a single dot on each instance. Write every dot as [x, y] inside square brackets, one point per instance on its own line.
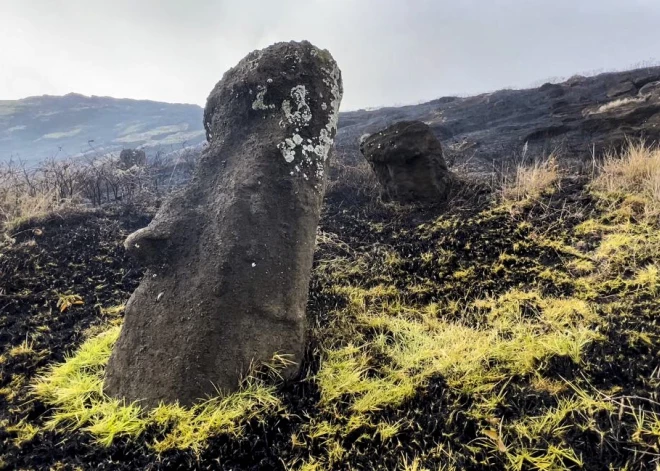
[390, 51]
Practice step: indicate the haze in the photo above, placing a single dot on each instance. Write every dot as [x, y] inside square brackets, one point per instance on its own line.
[391, 52]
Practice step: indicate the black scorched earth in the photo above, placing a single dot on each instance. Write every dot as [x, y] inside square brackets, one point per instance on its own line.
[517, 336]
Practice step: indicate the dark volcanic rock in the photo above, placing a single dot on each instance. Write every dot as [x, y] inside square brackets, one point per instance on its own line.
[229, 258]
[489, 129]
[652, 89]
[622, 88]
[131, 157]
[407, 159]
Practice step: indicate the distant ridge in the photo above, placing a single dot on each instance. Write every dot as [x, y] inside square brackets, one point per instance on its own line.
[40, 127]
[572, 119]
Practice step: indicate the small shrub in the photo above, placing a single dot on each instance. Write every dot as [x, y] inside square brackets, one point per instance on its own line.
[352, 182]
[29, 192]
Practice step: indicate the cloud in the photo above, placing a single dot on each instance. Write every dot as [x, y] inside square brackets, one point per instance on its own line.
[389, 51]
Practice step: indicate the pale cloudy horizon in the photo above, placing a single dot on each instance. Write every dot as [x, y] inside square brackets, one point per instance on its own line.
[390, 52]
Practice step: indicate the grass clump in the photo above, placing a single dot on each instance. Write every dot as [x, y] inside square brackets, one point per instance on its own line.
[633, 176]
[24, 348]
[616, 104]
[24, 432]
[18, 205]
[530, 183]
[74, 389]
[113, 311]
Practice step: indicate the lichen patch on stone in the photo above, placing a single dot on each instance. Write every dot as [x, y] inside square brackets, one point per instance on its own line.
[315, 150]
[302, 115]
[288, 149]
[258, 103]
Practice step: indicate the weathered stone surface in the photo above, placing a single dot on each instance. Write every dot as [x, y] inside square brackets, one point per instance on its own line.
[622, 88]
[407, 159]
[230, 257]
[650, 89]
[131, 157]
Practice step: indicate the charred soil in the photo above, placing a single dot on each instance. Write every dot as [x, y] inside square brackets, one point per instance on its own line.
[481, 337]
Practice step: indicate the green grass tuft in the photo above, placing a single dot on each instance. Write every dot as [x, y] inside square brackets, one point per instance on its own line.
[74, 389]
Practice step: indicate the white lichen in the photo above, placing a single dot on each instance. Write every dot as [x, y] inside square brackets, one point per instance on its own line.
[314, 151]
[302, 115]
[288, 150]
[326, 138]
[258, 103]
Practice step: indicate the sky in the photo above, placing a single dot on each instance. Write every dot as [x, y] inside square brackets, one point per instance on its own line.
[391, 52]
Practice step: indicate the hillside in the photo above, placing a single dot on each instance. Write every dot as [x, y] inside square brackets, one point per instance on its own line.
[570, 117]
[513, 327]
[516, 332]
[36, 128]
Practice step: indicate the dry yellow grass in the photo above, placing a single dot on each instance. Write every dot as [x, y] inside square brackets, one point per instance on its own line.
[633, 173]
[17, 205]
[617, 103]
[531, 182]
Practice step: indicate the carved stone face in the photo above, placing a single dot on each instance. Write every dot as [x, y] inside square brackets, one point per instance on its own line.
[230, 256]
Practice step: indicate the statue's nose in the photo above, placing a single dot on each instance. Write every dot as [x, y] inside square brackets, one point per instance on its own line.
[147, 246]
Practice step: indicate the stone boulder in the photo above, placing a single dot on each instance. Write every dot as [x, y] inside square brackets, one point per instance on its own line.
[230, 257]
[132, 157]
[408, 161]
[650, 90]
[625, 88]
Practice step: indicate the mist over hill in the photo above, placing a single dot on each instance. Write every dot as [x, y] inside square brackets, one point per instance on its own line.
[36, 128]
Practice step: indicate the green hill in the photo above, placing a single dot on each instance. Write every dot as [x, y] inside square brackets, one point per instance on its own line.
[36, 128]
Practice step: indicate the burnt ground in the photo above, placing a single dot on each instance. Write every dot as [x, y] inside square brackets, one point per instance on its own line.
[82, 254]
[564, 118]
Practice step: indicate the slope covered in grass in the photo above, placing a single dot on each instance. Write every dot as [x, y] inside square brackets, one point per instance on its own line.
[518, 333]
